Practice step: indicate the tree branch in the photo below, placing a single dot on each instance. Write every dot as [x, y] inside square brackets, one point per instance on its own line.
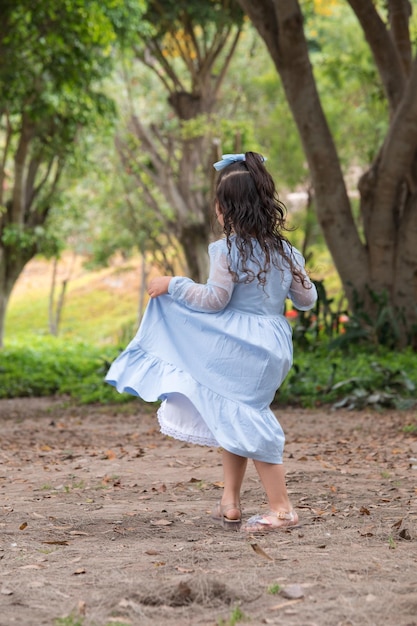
[7, 142]
[150, 61]
[38, 217]
[395, 163]
[160, 172]
[399, 12]
[190, 29]
[156, 50]
[19, 200]
[385, 53]
[221, 76]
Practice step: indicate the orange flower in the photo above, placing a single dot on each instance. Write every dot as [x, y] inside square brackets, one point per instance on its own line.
[291, 315]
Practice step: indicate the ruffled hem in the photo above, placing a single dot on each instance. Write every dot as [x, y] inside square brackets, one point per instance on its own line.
[176, 434]
[178, 418]
[236, 427]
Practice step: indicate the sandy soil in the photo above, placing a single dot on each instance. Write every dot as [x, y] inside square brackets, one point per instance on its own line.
[104, 521]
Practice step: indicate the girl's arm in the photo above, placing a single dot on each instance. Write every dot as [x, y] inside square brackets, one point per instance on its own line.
[302, 296]
[206, 298]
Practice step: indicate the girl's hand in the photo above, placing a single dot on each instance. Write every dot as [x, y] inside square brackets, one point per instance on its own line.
[159, 286]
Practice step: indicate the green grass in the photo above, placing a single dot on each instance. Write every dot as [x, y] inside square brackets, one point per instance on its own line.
[98, 305]
[236, 617]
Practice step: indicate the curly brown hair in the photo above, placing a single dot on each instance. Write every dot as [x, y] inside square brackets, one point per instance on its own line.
[248, 201]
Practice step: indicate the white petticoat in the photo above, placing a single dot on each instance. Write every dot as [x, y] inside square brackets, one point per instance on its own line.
[179, 418]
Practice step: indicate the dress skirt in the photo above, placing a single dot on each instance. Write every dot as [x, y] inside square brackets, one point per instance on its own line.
[215, 373]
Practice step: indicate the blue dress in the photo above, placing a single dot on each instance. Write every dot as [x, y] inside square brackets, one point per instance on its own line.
[216, 353]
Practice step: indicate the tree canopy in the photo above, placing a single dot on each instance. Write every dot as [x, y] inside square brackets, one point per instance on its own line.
[52, 59]
[188, 46]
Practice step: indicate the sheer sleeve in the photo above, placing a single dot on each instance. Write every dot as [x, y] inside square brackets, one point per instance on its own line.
[212, 296]
[302, 296]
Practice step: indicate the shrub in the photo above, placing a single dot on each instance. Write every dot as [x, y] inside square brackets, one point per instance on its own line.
[51, 366]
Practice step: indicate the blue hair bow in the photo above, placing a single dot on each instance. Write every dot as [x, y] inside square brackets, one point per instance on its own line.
[228, 159]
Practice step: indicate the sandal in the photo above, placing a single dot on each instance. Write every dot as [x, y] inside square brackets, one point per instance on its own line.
[219, 514]
[274, 520]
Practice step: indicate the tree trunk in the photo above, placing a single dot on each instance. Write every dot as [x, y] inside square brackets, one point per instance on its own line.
[51, 312]
[193, 239]
[12, 263]
[280, 23]
[379, 274]
[4, 300]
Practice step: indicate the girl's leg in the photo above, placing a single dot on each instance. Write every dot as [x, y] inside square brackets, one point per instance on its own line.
[281, 514]
[273, 480]
[234, 468]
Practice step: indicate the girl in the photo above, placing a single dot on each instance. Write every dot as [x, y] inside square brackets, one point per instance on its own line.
[216, 353]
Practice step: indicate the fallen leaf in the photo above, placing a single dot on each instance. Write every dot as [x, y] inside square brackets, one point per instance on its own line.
[405, 534]
[397, 524]
[161, 522]
[57, 543]
[367, 531]
[364, 511]
[257, 548]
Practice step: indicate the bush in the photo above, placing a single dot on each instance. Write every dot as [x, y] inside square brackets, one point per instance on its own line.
[355, 378]
[50, 366]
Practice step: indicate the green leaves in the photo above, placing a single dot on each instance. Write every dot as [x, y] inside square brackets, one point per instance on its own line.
[170, 15]
[38, 239]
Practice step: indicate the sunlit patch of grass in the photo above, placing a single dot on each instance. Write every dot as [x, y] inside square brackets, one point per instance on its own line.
[97, 303]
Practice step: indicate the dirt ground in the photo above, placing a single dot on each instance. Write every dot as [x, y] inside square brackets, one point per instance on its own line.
[105, 521]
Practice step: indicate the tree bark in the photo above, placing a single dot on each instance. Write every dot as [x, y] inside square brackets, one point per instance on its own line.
[399, 15]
